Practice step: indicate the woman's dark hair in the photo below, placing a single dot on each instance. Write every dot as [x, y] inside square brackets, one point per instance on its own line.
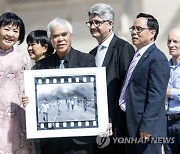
[152, 22]
[40, 36]
[11, 18]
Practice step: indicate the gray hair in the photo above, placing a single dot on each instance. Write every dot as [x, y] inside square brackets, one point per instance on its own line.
[104, 11]
[56, 22]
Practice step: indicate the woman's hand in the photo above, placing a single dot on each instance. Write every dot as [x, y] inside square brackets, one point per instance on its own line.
[25, 100]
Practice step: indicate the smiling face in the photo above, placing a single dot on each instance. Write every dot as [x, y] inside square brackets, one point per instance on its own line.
[173, 43]
[36, 51]
[9, 35]
[144, 37]
[61, 40]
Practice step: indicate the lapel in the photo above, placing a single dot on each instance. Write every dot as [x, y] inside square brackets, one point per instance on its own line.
[110, 51]
[52, 61]
[94, 51]
[142, 59]
[73, 59]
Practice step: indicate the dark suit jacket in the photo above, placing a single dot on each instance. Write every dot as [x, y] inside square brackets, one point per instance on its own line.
[116, 61]
[76, 59]
[145, 94]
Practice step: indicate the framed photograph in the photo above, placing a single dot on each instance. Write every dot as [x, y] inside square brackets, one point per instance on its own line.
[66, 102]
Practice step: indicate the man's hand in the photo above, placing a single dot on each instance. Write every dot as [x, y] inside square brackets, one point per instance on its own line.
[108, 131]
[145, 135]
[168, 92]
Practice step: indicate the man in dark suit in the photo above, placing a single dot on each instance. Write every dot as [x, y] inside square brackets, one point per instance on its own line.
[60, 33]
[113, 53]
[142, 99]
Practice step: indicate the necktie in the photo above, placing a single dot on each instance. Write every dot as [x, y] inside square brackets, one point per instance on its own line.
[122, 102]
[61, 66]
[100, 55]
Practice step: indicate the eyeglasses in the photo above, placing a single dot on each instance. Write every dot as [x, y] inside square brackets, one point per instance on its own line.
[96, 23]
[138, 29]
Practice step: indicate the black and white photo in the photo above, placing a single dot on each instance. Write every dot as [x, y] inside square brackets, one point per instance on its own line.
[64, 104]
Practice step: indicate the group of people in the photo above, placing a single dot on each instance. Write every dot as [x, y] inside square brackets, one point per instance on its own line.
[138, 82]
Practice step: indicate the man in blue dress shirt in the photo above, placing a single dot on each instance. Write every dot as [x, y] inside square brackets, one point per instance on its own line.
[173, 93]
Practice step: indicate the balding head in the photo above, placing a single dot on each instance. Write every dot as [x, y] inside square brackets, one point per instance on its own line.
[175, 31]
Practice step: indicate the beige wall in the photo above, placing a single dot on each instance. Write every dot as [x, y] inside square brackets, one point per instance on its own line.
[37, 14]
[168, 14]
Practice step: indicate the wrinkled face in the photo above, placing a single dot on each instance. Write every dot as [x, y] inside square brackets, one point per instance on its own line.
[9, 35]
[36, 51]
[99, 28]
[61, 40]
[143, 37]
[173, 43]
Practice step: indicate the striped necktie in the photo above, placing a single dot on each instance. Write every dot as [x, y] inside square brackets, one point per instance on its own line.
[128, 76]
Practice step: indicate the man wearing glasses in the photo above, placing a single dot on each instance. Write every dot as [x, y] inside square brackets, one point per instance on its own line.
[142, 99]
[113, 53]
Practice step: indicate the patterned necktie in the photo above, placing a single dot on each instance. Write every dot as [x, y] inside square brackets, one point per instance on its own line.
[61, 66]
[128, 76]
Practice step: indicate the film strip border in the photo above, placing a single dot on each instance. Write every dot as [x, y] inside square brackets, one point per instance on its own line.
[65, 79]
[68, 125]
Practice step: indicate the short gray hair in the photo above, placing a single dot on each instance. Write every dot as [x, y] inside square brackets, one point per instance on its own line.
[56, 22]
[104, 11]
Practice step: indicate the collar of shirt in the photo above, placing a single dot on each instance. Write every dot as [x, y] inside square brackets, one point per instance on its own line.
[143, 49]
[171, 64]
[107, 41]
[7, 51]
[101, 51]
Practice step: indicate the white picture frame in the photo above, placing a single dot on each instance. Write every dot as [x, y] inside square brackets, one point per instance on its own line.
[55, 91]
